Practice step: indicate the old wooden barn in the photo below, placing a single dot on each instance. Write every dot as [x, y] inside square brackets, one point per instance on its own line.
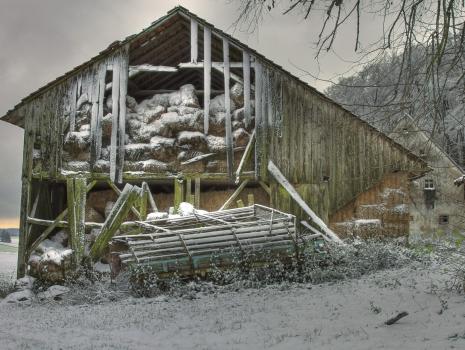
[150, 111]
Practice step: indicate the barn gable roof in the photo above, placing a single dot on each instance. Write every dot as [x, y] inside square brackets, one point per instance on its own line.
[13, 117]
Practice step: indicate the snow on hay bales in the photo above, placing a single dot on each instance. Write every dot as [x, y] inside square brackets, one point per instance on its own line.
[216, 143]
[50, 261]
[194, 139]
[160, 130]
[217, 104]
[241, 137]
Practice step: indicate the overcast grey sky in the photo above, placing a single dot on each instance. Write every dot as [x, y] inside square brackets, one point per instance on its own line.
[41, 40]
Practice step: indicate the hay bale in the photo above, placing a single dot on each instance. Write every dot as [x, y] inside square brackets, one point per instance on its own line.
[106, 125]
[93, 215]
[147, 131]
[152, 114]
[162, 148]
[216, 144]
[61, 237]
[183, 110]
[217, 104]
[131, 104]
[150, 166]
[194, 139]
[217, 124]
[241, 137]
[76, 142]
[237, 94]
[137, 151]
[77, 166]
[101, 166]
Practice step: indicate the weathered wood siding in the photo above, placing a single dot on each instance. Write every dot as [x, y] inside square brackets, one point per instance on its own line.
[329, 155]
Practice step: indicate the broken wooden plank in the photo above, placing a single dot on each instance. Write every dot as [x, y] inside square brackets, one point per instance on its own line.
[227, 104]
[194, 41]
[236, 193]
[246, 74]
[118, 213]
[153, 205]
[207, 68]
[245, 157]
[118, 192]
[198, 158]
[281, 179]
[396, 318]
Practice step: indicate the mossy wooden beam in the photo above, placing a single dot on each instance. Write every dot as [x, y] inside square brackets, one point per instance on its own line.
[197, 193]
[119, 212]
[118, 192]
[76, 190]
[178, 192]
[281, 179]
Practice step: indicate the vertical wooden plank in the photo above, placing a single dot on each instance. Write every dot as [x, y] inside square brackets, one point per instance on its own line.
[250, 199]
[207, 68]
[194, 41]
[240, 203]
[72, 99]
[258, 115]
[178, 192]
[114, 122]
[98, 101]
[197, 192]
[123, 88]
[227, 104]
[246, 73]
[143, 203]
[72, 227]
[94, 117]
[189, 197]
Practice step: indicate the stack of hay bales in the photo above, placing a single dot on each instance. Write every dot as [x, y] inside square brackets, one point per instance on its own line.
[162, 132]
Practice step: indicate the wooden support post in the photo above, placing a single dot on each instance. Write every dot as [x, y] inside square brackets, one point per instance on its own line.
[246, 73]
[114, 121]
[227, 104]
[54, 224]
[236, 193]
[265, 187]
[245, 157]
[207, 68]
[197, 193]
[194, 41]
[143, 204]
[189, 196]
[178, 192]
[123, 88]
[258, 116]
[240, 203]
[118, 213]
[76, 189]
[250, 199]
[273, 169]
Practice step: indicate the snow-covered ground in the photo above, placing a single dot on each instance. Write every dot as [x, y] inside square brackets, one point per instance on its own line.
[8, 264]
[338, 315]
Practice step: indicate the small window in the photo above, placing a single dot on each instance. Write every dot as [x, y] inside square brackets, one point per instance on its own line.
[429, 184]
[443, 219]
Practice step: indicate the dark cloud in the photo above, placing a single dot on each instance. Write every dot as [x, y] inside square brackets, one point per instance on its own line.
[41, 40]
